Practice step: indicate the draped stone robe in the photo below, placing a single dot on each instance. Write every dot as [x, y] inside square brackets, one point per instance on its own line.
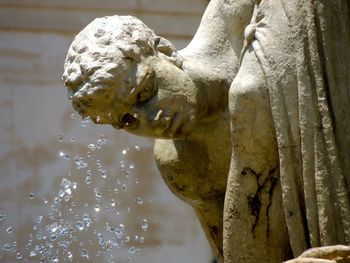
[302, 47]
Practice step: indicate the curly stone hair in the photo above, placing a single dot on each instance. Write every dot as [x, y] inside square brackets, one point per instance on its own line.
[109, 46]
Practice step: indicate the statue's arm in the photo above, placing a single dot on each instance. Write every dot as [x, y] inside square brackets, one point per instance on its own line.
[223, 17]
[219, 38]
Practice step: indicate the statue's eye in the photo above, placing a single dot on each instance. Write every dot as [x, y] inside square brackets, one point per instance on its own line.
[128, 120]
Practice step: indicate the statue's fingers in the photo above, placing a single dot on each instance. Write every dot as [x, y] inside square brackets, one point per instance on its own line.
[328, 252]
[310, 260]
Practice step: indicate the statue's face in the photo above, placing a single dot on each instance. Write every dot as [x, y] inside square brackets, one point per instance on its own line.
[154, 98]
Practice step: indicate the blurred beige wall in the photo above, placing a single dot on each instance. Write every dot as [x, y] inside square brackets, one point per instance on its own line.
[36, 125]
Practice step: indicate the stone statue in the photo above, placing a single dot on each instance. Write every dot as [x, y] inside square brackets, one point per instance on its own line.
[250, 120]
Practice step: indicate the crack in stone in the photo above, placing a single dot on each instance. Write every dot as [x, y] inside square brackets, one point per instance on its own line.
[254, 201]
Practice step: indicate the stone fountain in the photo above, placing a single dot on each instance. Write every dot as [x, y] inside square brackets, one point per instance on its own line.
[250, 120]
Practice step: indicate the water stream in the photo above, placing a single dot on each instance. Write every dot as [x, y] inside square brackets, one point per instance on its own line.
[85, 194]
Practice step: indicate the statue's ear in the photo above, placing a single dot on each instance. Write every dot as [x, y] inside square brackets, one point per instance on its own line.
[165, 47]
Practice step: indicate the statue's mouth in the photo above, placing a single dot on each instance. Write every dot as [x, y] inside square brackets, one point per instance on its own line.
[86, 109]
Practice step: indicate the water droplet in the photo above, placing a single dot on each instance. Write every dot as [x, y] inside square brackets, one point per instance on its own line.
[137, 148]
[92, 147]
[104, 174]
[68, 191]
[84, 254]
[32, 253]
[7, 247]
[139, 200]
[61, 193]
[124, 187]
[88, 179]
[64, 155]
[85, 121]
[31, 196]
[132, 250]
[142, 239]
[53, 227]
[80, 225]
[122, 227]
[125, 150]
[119, 233]
[70, 256]
[9, 230]
[99, 142]
[65, 183]
[53, 237]
[39, 219]
[72, 116]
[79, 161]
[18, 255]
[2, 217]
[87, 220]
[97, 208]
[144, 225]
[112, 202]
[101, 240]
[60, 138]
[131, 166]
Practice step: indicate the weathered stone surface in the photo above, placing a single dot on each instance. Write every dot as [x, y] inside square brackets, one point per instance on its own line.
[246, 119]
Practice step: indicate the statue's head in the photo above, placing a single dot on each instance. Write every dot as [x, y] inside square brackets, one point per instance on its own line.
[119, 72]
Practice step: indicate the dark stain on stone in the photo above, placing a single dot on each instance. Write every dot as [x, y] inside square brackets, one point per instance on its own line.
[254, 202]
[254, 205]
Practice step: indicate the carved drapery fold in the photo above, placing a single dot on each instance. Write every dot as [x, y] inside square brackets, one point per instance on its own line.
[309, 87]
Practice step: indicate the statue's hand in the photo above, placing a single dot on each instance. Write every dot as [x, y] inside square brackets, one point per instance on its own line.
[330, 254]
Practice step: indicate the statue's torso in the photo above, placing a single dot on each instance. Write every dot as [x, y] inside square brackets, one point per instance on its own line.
[196, 169]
